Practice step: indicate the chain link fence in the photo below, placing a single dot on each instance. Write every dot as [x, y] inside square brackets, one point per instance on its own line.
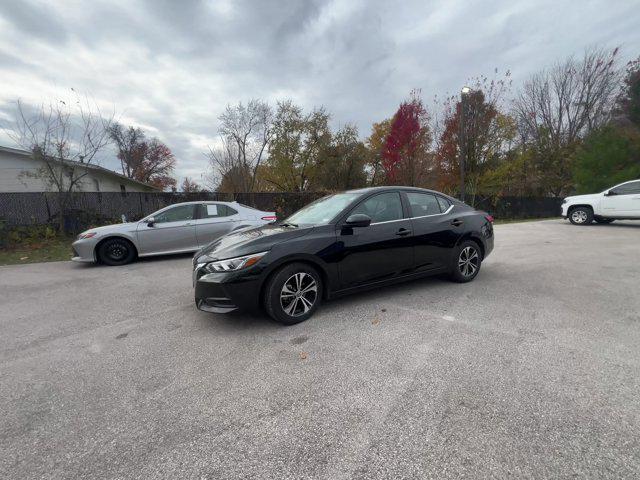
[85, 209]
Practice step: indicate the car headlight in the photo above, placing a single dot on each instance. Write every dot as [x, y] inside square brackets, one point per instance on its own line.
[233, 264]
[86, 235]
[564, 200]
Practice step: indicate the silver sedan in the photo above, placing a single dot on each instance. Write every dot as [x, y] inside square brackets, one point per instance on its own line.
[178, 228]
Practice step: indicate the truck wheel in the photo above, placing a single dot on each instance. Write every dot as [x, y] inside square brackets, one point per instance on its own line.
[581, 216]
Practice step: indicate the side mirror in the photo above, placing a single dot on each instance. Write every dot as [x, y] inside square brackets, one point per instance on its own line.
[150, 221]
[358, 220]
[609, 193]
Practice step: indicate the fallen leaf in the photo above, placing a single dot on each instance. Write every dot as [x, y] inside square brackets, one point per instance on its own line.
[375, 321]
[384, 309]
[303, 355]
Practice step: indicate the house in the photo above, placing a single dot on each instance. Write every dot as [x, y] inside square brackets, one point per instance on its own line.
[19, 172]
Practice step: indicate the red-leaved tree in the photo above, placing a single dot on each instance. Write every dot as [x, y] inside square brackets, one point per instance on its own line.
[149, 161]
[405, 154]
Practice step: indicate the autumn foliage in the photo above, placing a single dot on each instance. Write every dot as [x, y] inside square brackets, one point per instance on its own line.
[406, 148]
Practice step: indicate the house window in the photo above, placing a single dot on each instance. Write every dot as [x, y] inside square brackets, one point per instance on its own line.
[96, 184]
[123, 190]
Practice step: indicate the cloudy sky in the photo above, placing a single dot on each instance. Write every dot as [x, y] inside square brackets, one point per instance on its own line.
[171, 66]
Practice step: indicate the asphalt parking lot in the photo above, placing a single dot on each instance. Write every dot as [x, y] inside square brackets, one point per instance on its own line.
[532, 370]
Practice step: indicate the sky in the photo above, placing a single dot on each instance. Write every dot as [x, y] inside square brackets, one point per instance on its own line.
[172, 66]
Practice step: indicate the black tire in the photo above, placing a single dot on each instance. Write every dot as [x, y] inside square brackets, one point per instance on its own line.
[298, 279]
[603, 221]
[116, 251]
[466, 262]
[581, 215]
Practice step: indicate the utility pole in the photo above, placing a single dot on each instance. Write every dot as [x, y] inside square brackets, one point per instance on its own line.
[462, 140]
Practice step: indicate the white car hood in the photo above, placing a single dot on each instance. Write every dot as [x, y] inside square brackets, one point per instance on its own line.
[583, 198]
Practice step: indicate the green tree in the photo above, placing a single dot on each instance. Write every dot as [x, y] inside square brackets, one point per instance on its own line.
[608, 156]
[629, 99]
[298, 141]
[342, 165]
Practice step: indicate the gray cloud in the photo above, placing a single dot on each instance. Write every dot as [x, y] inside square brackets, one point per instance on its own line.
[171, 67]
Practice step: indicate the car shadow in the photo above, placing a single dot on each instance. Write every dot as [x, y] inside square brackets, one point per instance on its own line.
[141, 260]
[615, 224]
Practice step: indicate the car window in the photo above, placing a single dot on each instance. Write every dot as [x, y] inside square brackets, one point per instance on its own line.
[444, 203]
[381, 208]
[216, 210]
[422, 204]
[627, 189]
[175, 214]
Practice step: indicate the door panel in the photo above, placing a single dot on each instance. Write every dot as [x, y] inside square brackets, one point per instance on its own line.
[214, 221]
[174, 229]
[381, 250]
[375, 252]
[435, 230]
[622, 201]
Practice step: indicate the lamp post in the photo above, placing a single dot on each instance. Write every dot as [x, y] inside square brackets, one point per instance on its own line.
[464, 93]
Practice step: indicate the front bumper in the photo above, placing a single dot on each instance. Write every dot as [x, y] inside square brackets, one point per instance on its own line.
[84, 250]
[224, 292]
[564, 208]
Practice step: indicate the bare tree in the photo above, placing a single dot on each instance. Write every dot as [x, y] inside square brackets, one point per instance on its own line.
[130, 142]
[227, 171]
[559, 106]
[246, 132]
[65, 140]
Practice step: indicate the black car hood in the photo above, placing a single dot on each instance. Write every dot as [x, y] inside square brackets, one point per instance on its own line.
[251, 240]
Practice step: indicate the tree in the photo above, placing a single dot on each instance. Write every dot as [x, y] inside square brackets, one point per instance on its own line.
[341, 166]
[609, 155]
[149, 161]
[157, 166]
[375, 147]
[558, 107]
[190, 186]
[405, 155]
[245, 131]
[628, 104]
[484, 136]
[297, 144]
[130, 143]
[65, 139]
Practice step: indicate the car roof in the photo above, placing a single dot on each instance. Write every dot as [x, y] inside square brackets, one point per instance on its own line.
[203, 201]
[399, 187]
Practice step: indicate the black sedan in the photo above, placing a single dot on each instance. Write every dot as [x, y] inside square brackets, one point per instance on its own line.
[339, 244]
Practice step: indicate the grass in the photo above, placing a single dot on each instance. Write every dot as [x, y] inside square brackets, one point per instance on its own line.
[52, 250]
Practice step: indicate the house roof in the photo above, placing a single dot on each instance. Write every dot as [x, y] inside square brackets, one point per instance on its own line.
[89, 166]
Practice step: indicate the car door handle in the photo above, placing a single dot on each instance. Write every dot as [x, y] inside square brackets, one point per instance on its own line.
[403, 231]
[457, 223]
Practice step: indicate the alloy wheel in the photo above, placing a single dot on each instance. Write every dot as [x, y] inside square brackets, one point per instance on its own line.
[468, 261]
[579, 216]
[298, 294]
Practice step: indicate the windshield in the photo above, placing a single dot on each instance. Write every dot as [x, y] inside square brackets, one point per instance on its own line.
[322, 211]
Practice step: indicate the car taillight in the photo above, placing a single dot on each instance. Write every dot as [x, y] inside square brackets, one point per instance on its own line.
[489, 217]
[270, 218]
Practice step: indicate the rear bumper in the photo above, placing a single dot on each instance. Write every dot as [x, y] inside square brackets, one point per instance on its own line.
[226, 292]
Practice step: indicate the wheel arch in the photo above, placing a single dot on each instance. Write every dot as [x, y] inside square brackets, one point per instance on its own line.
[306, 259]
[475, 237]
[570, 208]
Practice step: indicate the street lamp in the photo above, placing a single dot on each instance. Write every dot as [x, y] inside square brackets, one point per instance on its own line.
[464, 93]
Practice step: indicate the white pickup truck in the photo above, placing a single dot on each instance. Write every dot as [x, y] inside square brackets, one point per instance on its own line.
[621, 202]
